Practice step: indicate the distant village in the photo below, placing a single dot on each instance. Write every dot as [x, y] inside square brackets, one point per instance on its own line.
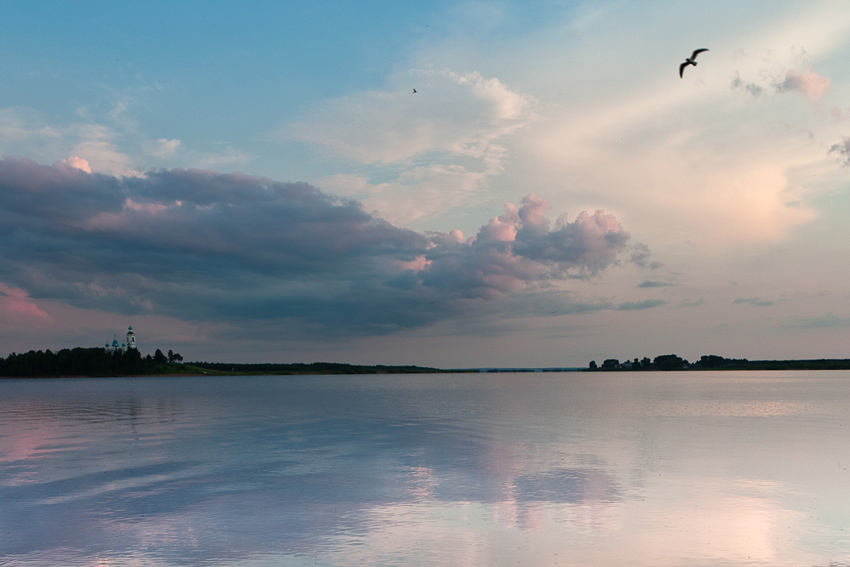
[129, 343]
[113, 359]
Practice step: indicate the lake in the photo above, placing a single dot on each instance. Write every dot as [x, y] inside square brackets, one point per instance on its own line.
[532, 469]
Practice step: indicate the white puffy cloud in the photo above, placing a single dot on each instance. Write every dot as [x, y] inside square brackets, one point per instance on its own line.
[76, 163]
[433, 149]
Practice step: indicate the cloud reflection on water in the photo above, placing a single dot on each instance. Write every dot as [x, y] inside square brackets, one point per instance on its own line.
[460, 470]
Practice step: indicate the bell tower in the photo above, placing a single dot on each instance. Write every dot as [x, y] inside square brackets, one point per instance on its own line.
[131, 338]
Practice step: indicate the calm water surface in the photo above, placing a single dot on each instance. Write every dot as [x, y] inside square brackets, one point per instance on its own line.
[575, 469]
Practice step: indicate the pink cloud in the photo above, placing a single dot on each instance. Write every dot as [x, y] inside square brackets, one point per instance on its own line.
[16, 305]
[533, 211]
[809, 84]
[75, 163]
[500, 229]
[520, 247]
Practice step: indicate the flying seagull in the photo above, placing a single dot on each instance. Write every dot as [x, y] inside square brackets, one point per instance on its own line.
[690, 61]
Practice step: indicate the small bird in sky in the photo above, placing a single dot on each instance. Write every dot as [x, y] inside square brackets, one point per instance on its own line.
[690, 61]
[414, 91]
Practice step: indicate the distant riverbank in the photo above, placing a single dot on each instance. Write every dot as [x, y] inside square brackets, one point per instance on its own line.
[714, 362]
[95, 362]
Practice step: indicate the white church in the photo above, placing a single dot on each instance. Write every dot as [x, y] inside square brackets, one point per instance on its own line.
[130, 342]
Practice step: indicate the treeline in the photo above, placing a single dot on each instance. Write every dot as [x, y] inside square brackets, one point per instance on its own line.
[97, 362]
[312, 368]
[85, 362]
[714, 362]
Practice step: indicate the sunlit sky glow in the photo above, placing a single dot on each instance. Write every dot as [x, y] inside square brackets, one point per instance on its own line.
[258, 181]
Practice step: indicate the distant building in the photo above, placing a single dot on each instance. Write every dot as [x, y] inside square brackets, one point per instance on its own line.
[129, 343]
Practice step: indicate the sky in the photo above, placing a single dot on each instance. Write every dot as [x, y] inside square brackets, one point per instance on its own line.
[258, 182]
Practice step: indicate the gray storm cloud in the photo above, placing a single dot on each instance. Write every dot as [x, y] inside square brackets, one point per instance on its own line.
[199, 245]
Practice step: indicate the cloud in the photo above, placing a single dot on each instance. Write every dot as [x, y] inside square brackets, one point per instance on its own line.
[203, 246]
[446, 141]
[809, 84]
[652, 283]
[842, 149]
[230, 156]
[639, 305]
[76, 163]
[755, 301]
[21, 126]
[827, 321]
[24, 131]
[677, 164]
[97, 145]
[17, 307]
[640, 257]
[752, 88]
[451, 114]
[164, 148]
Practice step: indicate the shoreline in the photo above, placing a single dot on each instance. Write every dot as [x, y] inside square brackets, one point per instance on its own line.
[453, 371]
